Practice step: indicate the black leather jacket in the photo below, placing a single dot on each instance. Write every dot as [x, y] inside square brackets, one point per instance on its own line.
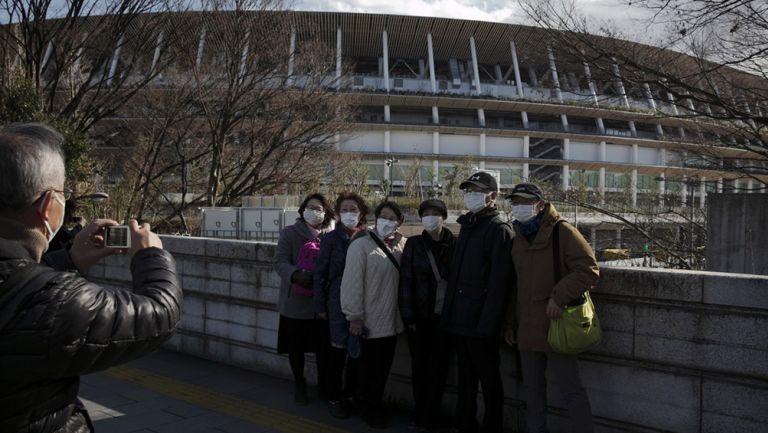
[71, 327]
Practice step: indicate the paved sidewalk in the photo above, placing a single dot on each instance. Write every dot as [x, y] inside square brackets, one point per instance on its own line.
[168, 392]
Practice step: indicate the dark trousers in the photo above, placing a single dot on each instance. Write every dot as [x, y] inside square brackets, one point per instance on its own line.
[478, 360]
[431, 349]
[322, 354]
[564, 371]
[373, 371]
[342, 375]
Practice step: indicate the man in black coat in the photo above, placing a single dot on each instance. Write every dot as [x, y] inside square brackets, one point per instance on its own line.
[481, 275]
[55, 325]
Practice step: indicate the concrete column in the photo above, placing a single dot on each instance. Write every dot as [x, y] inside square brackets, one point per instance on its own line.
[593, 238]
[200, 49]
[475, 68]
[662, 188]
[385, 45]
[518, 81]
[736, 185]
[435, 162]
[526, 154]
[566, 168]
[431, 53]
[244, 57]
[618, 238]
[652, 104]
[499, 75]
[516, 66]
[592, 90]
[750, 186]
[387, 113]
[435, 171]
[703, 193]
[720, 185]
[482, 150]
[671, 100]
[553, 69]
[633, 185]
[387, 147]
[601, 184]
[435, 115]
[112, 65]
[156, 56]
[620, 83]
[663, 156]
[338, 57]
[292, 55]
[481, 117]
[684, 191]
[49, 51]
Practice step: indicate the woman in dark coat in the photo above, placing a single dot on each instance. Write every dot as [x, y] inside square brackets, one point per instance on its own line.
[342, 384]
[299, 330]
[422, 291]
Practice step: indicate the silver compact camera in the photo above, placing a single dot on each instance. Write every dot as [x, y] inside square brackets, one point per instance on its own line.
[117, 237]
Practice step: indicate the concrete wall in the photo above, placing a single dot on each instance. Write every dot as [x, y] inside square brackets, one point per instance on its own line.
[737, 233]
[683, 351]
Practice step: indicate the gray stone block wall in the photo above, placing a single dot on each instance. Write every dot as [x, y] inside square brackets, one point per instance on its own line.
[682, 351]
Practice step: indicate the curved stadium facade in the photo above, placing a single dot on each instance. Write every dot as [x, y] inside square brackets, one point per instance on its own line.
[434, 92]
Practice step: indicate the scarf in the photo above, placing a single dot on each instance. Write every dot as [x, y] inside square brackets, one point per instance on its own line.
[531, 228]
[30, 239]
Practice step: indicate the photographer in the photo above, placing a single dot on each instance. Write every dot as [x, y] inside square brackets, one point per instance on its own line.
[55, 325]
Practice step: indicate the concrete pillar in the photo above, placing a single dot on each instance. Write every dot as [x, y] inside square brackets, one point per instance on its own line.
[703, 193]
[338, 57]
[112, 65]
[553, 70]
[736, 185]
[518, 81]
[156, 56]
[431, 54]
[244, 57]
[750, 186]
[475, 68]
[601, 184]
[662, 188]
[720, 185]
[200, 49]
[593, 238]
[385, 58]
[620, 83]
[633, 185]
[435, 115]
[49, 51]
[481, 117]
[652, 104]
[592, 90]
[618, 238]
[387, 113]
[435, 162]
[566, 175]
[291, 55]
[387, 147]
[684, 191]
[526, 154]
[566, 181]
[482, 150]
[672, 102]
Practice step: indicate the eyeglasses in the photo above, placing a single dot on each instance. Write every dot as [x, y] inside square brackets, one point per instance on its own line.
[66, 192]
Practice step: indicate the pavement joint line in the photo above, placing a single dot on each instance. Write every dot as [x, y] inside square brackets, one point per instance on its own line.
[235, 406]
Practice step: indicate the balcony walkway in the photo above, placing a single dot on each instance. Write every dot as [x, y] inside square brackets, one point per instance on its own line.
[167, 392]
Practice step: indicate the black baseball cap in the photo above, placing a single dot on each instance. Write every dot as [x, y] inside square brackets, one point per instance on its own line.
[436, 204]
[526, 190]
[482, 180]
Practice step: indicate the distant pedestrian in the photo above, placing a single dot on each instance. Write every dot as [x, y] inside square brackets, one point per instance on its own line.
[300, 331]
[351, 211]
[540, 299]
[425, 267]
[480, 278]
[369, 291]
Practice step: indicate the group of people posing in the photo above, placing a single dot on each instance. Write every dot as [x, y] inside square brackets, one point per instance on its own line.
[348, 290]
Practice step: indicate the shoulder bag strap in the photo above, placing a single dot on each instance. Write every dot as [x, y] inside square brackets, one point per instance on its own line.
[434, 265]
[29, 279]
[386, 250]
[556, 250]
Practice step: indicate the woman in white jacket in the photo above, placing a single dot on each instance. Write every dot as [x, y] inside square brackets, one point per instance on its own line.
[369, 291]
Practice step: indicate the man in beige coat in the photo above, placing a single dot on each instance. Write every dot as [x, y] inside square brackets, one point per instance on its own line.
[540, 298]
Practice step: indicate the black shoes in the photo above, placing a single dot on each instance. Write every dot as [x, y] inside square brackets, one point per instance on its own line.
[300, 396]
[338, 409]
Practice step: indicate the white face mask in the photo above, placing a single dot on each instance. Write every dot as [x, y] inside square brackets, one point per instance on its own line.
[474, 201]
[432, 223]
[313, 217]
[350, 219]
[50, 231]
[385, 227]
[524, 212]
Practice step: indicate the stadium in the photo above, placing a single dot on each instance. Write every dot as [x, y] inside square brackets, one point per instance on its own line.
[434, 94]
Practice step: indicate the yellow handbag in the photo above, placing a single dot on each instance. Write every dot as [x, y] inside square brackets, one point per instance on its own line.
[578, 328]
